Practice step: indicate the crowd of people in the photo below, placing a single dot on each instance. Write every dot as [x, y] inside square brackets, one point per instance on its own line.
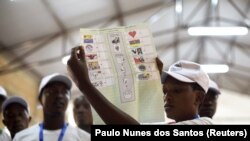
[190, 98]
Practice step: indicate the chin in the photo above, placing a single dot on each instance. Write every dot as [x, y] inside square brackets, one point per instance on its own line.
[170, 116]
[57, 113]
[206, 115]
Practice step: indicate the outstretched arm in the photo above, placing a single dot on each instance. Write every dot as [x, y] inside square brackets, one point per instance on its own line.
[78, 71]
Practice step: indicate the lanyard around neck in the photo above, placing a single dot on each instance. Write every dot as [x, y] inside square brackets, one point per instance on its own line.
[197, 116]
[60, 136]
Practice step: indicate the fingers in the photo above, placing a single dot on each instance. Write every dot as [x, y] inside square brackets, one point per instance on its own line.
[74, 53]
[158, 60]
[81, 53]
[77, 53]
[159, 64]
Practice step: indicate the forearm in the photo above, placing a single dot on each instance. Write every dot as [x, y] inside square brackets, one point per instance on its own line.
[109, 113]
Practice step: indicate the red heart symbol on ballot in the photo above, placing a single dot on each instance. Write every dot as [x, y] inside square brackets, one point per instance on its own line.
[132, 33]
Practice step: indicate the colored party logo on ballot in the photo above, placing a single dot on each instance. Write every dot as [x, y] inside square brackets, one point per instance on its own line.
[144, 76]
[132, 33]
[134, 43]
[88, 39]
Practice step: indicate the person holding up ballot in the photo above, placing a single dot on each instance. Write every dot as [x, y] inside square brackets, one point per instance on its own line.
[184, 85]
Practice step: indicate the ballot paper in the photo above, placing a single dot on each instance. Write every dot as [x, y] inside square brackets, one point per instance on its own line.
[121, 64]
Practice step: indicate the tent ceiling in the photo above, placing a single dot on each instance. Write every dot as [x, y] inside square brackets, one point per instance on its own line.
[40, 32]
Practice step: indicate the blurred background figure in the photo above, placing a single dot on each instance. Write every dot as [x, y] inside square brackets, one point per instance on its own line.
[209, 105]
[83, 113]
[16, 115]
[3, 96]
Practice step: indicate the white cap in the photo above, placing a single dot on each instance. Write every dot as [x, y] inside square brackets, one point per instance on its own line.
[55, 77]
[3, 92]
[214, 87]
[189, 72]
[17, 100]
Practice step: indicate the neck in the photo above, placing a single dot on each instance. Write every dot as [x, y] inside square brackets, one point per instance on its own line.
[190, 117]
[12, 135]
[53, 122]
[209, 116]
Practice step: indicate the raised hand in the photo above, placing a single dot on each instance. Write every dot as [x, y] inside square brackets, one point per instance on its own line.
[77, 67]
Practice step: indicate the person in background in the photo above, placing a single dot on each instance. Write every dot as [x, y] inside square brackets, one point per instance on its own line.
[54, 95]
[209, 105]
[83, 113]
[16, 114]
[3, 96]
[184, 86]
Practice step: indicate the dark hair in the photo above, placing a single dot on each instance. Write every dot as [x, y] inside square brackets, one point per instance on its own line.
[196, 86]
[3, 97]
[213, 91]
[80, 98]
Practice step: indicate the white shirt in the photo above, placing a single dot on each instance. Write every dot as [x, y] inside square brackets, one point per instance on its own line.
[197, 121]
[4, 136]
[71, 134]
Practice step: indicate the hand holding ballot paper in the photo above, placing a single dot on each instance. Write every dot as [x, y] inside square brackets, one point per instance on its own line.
[120, 63]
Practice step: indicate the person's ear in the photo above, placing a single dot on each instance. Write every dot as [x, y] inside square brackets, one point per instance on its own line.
[42, 100]
[4, 122]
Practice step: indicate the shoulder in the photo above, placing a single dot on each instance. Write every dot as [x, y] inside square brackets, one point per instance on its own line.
[79, 132]
[198, 121]
[27, 133]
[4, 136]
[30, 129]
[205, 121]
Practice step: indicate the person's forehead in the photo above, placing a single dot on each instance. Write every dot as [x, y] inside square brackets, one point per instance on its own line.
[174, 82]
[15, 107]
[81, 101]
[56, 85]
